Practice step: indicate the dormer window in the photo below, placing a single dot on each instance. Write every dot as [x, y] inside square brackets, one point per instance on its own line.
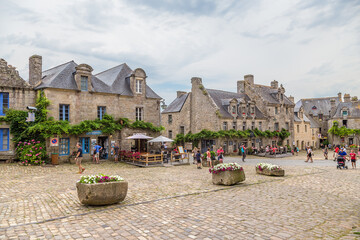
[282, 97]
[345, 112]
[84, 83]
[314, 108]
[252, 110]
[233, 109]
[321, 117]
[138, 86]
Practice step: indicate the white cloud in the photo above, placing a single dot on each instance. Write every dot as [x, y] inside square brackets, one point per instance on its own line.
[313, 49]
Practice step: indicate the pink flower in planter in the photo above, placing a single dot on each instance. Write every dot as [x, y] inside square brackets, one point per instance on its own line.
[40, 147]
[29, 143]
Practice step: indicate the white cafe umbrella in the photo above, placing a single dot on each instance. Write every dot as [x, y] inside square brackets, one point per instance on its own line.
[161, 139]
[138, 136]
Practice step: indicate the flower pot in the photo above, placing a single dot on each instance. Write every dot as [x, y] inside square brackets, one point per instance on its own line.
[54, 159]
[228, 177]
[102, 193]
[267, 172]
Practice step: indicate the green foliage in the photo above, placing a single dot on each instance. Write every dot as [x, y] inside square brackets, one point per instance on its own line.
[342, 131]
[41, 104]
[31, 152]
[207, 134]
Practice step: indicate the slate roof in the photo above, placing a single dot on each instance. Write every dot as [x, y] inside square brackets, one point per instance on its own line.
[222, 100]
[270, 95]
[114, 80]
[177, 104]
[322, 105]
[9, 76]
[353, 109]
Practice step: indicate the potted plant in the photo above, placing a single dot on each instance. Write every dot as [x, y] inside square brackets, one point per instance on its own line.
[101, 189]
[269, 169]
[227, 174]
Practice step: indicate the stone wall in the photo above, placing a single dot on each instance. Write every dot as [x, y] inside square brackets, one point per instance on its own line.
[306, 138]
[353, 123]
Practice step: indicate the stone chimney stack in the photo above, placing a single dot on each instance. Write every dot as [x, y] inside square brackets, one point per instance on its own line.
[347, 97]
[291, 98]
[332, 104]
[275, 84]
[180, 93]
[35, 69]
[339, 96]
[241, 86]
[249, 79]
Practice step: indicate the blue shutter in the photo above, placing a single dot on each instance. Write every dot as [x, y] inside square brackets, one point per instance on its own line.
[1, 106]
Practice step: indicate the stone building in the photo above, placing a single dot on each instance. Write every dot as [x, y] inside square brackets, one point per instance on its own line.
[251, 106]
[15, 93]
[76, 94]
[347, 114]
[306, 131]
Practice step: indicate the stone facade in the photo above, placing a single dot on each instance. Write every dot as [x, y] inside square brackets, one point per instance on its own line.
[305, 132]
[19, 95]
[220, 110]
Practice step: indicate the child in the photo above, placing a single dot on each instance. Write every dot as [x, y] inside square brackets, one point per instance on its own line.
[198, 159]
[353, 159]
[208, 158]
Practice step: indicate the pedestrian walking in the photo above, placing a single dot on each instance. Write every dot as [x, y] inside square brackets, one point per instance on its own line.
[116, 150]
[195, 150]
[309, 154]
[97, 150]
[79, 157]
[353, 158]
[326, 152]
[198, 159]
[220, 153]
[336, 152]
[243, 152]
[208, 158]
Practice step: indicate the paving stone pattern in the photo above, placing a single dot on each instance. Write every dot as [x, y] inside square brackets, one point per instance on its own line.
[311, 202]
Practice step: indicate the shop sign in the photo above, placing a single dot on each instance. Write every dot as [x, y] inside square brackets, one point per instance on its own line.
[96, 132]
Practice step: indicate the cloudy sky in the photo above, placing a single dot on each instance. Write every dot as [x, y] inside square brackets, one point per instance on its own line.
[311, 47]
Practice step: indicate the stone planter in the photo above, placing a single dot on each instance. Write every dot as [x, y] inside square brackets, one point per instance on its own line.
[228, 177]
[102, 193]
[267, 172]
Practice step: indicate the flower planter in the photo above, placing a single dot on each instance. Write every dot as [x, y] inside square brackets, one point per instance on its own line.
[228, 177]
[267, 172]
[102, 193]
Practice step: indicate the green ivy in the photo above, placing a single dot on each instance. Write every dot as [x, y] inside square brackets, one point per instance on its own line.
[342, 131]
[207, 134]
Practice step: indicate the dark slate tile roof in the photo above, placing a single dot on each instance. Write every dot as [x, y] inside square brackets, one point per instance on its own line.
[316, 106]
[353, 108]
[177, 104]
[269, 94]
[313, 122]
[296, 118]
[114, 80]
[222, 99]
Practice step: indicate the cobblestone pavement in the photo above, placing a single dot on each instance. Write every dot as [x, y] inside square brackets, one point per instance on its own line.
[311, 202]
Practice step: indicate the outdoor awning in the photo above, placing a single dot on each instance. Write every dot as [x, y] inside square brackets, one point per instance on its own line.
[138, 136]
[161, 139]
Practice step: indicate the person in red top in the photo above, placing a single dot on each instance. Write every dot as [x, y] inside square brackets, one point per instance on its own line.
[220, 153]
[353, 159]
[336, 152]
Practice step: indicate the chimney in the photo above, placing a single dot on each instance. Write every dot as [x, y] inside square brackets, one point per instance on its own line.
[35, 69]
[291, 98]
[249, 79]
[275, 84]
[240, 86]
[347, 97]
[332, 103]
[196, 80]
[339, 96]
[354, 99]
[180, 93]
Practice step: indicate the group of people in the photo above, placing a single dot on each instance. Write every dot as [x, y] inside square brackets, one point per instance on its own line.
[96, 155]
[341, 152]
[197, 156]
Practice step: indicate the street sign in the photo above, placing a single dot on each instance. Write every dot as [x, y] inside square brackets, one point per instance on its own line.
[54, 142]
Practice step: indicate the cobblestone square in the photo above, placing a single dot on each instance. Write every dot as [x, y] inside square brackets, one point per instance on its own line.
[311, 202]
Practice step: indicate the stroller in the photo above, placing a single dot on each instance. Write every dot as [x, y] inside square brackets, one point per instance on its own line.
[341, 163]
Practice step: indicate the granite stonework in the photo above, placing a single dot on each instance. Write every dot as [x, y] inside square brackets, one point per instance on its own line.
[102, 193]
[267, 172]
[228, 178]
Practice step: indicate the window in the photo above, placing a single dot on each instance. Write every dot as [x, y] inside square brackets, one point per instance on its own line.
[225, 126]
[234, 125]
[139, 114]
[314, 108]
[305, 128]
[233, 109]
[4, 103]
[297, 128]
[276, 126]
[85, 144]
[282, 97]
[287, 110]
[169, 118]
[344, 113]
[64, 146]
[4, 137]
[244, 126]
[170, 134]
[138, 86]
[260, 126]
[252, 125]
[182, 130]
[101, 112]
[84, 83]
[345, 123]
[321, 117]
[287, 126]
[64, 112]
[252, 110]
[276, 110]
